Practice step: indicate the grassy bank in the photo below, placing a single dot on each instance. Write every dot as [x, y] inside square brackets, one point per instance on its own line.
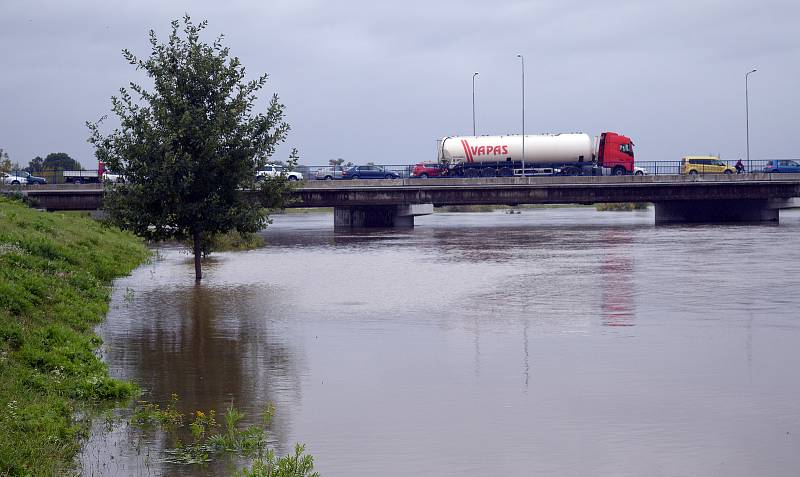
[492, 208]
[621, 206]
[55, 272]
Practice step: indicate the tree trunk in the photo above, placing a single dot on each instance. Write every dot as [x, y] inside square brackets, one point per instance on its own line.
[198, 254]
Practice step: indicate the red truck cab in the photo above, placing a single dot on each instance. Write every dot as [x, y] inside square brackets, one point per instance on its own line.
[615, 152]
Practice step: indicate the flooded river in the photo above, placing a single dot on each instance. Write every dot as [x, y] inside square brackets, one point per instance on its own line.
[563, 342]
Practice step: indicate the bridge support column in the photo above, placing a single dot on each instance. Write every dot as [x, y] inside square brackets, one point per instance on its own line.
[715, 211]
[378, 216]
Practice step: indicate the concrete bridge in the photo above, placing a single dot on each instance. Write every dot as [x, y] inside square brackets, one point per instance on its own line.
[395, 203]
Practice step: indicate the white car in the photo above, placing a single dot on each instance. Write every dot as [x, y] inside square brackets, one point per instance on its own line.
[113, 178]
[8, 178]
[639, 171]
[274, 170]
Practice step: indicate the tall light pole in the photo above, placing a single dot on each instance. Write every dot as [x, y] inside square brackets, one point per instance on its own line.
[523, 112]
[747, 116]
[473, 104]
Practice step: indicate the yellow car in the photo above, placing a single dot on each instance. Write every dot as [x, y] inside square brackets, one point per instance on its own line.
[705, 165]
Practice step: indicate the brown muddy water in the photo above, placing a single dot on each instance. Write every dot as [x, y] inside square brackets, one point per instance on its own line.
[563, 342]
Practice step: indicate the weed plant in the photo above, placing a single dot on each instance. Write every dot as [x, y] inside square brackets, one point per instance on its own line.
[209, 439]
[55, 276]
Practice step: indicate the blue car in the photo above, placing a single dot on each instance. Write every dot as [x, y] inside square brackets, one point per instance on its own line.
[369, 172]
[782, 165]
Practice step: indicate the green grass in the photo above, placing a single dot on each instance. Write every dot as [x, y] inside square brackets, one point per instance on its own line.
[55, 276]
[305, 210]
[620, 206]
[492, 208]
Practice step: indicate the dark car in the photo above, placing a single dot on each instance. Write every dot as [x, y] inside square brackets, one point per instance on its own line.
[31, 179]
[369, 172]
[423, 170]
[782, 165]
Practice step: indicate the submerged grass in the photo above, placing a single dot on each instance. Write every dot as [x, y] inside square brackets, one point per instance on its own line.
[55, 275]
[209, 439]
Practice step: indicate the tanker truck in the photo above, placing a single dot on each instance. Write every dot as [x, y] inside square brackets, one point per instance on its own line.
[553, 154]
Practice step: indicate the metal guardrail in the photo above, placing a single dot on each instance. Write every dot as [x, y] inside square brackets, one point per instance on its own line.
[403, 171]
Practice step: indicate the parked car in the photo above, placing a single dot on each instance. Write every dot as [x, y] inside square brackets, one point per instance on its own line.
[639, 171]
[8, 178]
[369, 172]
[705, 165]
[31, 179]
[782, 165]
[329, 173]
[274, 170]
[423, 170]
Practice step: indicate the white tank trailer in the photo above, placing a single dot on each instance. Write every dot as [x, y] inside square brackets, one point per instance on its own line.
[567, 153]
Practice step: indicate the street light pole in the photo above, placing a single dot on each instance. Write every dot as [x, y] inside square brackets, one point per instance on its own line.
[747, 116]
[523, 112]
[473, 104]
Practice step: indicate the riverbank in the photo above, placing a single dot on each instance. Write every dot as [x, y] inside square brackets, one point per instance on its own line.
[55, 277]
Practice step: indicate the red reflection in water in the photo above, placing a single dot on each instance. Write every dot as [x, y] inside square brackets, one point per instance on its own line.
[617, 278]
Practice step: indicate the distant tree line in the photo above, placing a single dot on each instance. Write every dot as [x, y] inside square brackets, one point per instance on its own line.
[55, 161]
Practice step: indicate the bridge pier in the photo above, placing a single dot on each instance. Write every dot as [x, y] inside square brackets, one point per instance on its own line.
[378, 216]
[715, 211]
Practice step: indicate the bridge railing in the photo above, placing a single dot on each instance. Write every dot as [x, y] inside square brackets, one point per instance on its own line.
[675, 167]
[403, 171]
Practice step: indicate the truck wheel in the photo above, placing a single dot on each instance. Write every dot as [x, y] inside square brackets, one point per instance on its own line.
[506, 172]
[76, 180]
[471, 173]
[571, 171]
[328, 178]
[618, 171]
[489, 172]
[355, 177]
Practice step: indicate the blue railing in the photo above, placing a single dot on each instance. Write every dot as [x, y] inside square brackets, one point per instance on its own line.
[403, 171]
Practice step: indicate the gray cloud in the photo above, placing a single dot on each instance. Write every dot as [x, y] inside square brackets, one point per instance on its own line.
[381, 81]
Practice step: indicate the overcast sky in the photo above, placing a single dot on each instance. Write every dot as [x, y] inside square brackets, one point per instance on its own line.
[381, 81]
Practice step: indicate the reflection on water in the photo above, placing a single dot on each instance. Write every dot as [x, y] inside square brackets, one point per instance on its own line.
[478, 344]
[617, 278]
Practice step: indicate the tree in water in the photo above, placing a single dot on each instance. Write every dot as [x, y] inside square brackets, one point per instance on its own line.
[190, 147]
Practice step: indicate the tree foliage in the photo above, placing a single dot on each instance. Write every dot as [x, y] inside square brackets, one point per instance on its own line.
[339, 162]
[59, 161]
[189, 148]
[35, 165]
[5, 162]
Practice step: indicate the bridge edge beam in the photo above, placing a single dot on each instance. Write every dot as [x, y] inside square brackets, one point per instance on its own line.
[715, 211]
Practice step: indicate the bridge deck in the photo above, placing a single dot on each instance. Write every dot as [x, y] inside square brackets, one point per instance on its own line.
[511, 190]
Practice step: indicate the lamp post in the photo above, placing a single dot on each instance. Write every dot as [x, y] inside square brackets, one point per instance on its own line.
[747, 116]
[473, 104]
[523, 112]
